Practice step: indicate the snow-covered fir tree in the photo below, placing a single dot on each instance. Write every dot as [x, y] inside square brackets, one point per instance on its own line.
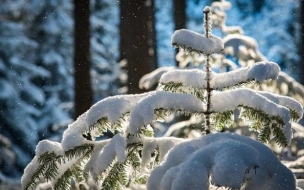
[135, 155]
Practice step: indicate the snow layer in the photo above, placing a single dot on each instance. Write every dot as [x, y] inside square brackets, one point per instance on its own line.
[29, 171]
[189, 77]
[284, 101]
[197, 42]
[49, 146]
[228, 158]
[143, 112]
[114, 149]
[112, 108]
[42, 147]
[229, 100]
[150, 79]
[260, 72]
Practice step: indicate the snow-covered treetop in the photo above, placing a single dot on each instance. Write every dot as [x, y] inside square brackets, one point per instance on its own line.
[194, 42]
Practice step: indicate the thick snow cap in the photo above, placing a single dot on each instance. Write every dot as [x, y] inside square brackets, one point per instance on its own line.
[196, 42]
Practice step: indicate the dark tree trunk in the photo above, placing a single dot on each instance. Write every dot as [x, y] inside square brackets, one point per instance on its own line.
[302, 42]
[82, 84]
[179, 16]
[137, 40]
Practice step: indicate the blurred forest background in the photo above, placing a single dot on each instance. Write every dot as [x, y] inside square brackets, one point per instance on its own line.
[59, 57]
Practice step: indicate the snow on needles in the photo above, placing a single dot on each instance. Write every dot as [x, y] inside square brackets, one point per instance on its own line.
[100, 162]
[42, 147]
[191, 77]
[143, 112]
[285, 101]
[197, 42]
[229, 100]
[112, 108]
[49, 146]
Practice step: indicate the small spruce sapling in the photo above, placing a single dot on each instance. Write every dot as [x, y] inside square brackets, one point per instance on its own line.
[128, 156]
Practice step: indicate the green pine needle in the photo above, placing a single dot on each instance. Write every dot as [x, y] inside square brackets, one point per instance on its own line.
[263, 123]
[222, 119]
[264, 134]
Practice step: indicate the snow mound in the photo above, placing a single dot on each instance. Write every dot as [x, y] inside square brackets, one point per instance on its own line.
[228, 158]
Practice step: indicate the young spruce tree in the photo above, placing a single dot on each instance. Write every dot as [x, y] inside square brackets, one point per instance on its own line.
[225, 159]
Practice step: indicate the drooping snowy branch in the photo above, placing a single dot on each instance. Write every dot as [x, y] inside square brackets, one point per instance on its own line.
[258, 72]
[150, 79]
[270, 118]
[35, 170]
[143, 112]
[111, 108]
[229, 100]
[293, 105]
[233, 43]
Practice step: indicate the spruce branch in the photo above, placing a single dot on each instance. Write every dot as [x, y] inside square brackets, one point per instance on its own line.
[116, 175]
[46, 170]
[100, 127]
[178, 87]
[264, 134]
[84, 150]
[144, 131]
[265, 125]
[103, 125]
[279, 136]
[134, 159]
[161, 113]
[248, 82]
[294, 114]
[222, 119]
[80, 153]
[172, 86]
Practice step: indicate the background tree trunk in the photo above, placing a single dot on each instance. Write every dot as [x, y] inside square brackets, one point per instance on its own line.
[137, 40]
[82, 84]
[179, 8]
